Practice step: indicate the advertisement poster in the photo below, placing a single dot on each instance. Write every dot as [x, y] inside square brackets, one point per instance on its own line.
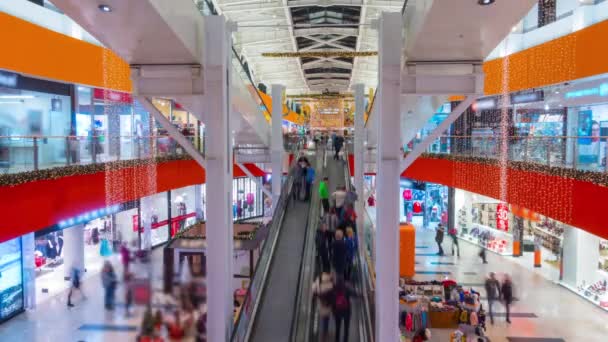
[11, 278]
[502, 217]
[589, 138]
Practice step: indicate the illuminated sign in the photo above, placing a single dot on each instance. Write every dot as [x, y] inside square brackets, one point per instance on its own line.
[86, 217]
[483, 104]
[535, 96]
[602, 90]
[8, 79]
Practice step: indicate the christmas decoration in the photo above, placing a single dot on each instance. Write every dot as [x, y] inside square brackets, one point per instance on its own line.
[189, 233]
[320, 54]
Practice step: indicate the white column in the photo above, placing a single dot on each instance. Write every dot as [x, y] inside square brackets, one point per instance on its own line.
[198, 201]
[73, 249]
[580, 257]
[388, 159]
[277, 149]
[28, 244]
[359, 90]
[146, 205]
[583, 15]
[219, 173]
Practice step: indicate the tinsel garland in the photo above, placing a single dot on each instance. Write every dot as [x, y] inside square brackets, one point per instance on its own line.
[598, 178]
[320, 96]
[183, 234]
[14, 179]
[320, 54]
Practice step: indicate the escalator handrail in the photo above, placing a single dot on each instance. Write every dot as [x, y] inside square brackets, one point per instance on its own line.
[264, 261]
[363, 276]
[304, 303]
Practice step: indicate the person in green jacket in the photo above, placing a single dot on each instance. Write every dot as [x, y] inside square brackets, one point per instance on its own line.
[324, 194]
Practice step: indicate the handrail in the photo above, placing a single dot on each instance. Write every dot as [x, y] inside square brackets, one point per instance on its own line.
[242, 332]
[301, 324]
[371, 105]
[366, 325]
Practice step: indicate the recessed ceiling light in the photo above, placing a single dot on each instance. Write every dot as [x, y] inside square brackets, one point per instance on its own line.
[485, 2]
[547, 107]
[105, 8]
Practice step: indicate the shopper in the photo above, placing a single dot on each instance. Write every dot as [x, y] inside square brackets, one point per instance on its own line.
[439, 238]
[454, 235]
[75, 286]
[109, 282]
[351, 197]
[310, 178]
[338, 143]
[125, 257]
[322, 289]
[342, 307]
[322, 241]
[340, 254]
[338, 198]
[493, 293]
[351, 249]
[507, 295]
[482, 255]
[128, 293]
[324, 194]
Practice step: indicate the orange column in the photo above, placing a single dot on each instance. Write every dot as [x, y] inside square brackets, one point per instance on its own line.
[407, 250]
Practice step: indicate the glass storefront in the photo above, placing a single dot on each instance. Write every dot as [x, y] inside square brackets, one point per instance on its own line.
[592, 131]
[31, 109]
[423, 204]
[183, 212]
[11, 279]
[247, 198]
[155, 208]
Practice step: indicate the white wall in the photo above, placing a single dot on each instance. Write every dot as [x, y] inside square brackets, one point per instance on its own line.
[581, 257]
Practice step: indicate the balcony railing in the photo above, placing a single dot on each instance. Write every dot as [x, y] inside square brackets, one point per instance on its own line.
[31, 153]
[586, 153]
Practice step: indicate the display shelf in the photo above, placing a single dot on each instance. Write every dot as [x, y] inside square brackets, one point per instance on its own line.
[468, 238]
[596, 302]
[549, 233]
[481, 226]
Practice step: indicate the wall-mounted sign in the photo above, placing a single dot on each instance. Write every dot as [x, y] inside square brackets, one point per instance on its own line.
[502, 217]
[484, 104]
[8, 79]
[601, 90]
[528, 97]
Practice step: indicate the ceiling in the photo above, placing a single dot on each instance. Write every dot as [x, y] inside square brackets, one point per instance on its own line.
[308, 26]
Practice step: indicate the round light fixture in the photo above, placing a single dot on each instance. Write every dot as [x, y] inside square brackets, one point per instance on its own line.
[105, 8]
[485, 2]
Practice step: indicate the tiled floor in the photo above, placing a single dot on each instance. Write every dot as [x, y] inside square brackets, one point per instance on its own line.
[546, 311]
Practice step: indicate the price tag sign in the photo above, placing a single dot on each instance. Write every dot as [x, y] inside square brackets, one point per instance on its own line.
[502, 217]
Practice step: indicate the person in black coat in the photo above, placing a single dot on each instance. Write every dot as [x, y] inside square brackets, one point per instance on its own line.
[341, 296]
[322, 241]
[340, 254]
[439, 238]
[507, 295]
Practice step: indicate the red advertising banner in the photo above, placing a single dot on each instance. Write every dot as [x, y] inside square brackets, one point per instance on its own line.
[112, 96]
[502, 217]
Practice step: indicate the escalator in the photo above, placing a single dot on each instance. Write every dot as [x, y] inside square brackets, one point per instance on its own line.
[271, 301]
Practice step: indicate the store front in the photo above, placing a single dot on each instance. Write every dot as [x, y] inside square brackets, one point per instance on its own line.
[423, 204]
[11, 279]
[29, 109]
[247, 198]
[510, 231]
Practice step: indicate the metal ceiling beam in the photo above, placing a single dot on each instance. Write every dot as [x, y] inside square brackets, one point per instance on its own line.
[329, 62]
[344, 31]
[293, 39]
[331, 42]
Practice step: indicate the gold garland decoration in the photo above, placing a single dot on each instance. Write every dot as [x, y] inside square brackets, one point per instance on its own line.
[320, 96]
[183, 234]
[320, 54]
[14, 179]
[598, 178]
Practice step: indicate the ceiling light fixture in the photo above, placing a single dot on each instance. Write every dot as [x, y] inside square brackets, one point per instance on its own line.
[485, 2]
[105, 8]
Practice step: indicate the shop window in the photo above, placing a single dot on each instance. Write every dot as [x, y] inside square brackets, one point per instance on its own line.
[546, 12]
[11, 279]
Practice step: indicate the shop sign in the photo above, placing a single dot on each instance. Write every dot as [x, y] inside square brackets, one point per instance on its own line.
[483, 104]
[602, 90]
[535, 96]
[502, 217]
[8, 79]
[112, 96]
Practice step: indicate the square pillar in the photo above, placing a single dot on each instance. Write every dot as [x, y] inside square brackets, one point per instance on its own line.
[359, 90]
[219, 253]
[277, 150]
[388, 160]
[73, 250]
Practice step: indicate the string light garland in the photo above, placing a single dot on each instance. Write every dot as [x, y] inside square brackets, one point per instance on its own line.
[14, 179]
[320, 54]
[598, 178]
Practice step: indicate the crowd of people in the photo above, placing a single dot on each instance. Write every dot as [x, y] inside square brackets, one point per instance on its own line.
[336, 245]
